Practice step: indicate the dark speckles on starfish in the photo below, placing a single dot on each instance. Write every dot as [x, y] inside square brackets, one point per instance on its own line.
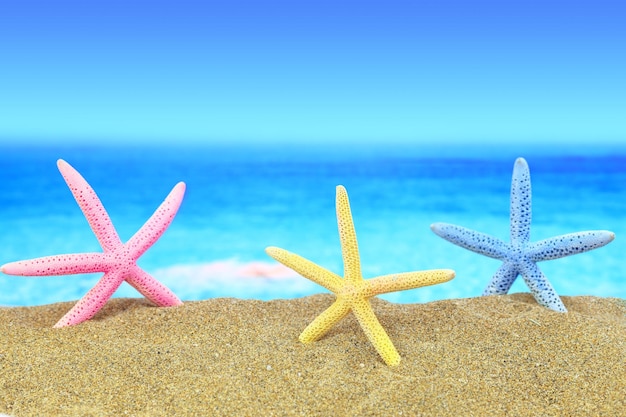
[520, 257]
[118, 261]
[352, 291]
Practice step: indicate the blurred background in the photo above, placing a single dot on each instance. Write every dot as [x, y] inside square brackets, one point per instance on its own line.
[262, 107]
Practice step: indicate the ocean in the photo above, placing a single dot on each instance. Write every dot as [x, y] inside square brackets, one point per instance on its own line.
[241, 199]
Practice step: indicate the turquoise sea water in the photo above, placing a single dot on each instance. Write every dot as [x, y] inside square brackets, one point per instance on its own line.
[241, 199]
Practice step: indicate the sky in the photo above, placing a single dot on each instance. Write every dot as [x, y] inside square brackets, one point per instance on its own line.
[313, 71]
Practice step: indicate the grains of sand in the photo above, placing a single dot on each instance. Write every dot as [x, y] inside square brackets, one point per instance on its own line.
[496, 356]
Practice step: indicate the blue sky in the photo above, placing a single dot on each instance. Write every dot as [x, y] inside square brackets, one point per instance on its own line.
[317, 71]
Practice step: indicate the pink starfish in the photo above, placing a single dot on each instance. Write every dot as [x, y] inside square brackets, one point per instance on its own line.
[119, 260]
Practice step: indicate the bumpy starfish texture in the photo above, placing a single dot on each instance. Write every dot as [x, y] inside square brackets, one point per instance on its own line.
[353, 292]
[520, 256]
[118, 261]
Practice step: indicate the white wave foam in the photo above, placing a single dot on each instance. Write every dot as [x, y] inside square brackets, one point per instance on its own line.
[231, 268]
[232, 278]
[259, 280]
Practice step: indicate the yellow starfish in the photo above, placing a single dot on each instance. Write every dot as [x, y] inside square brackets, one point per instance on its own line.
[353, 292]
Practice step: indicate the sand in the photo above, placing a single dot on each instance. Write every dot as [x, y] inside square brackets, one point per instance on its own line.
[500, 355]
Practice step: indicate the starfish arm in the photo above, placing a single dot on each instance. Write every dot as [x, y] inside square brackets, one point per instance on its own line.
[406, 281]
[94, 300]
[521, 203]
[347, 235]
[81, 263]
[502, 280]
[90, 205]
[569, 244]
[156, 225]
[306, 268]
[475, 241]
[323, 323]
[541, 288]
[152, 289]
[375, 332]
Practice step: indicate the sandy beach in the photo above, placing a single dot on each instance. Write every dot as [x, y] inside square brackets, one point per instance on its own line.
[500, 355]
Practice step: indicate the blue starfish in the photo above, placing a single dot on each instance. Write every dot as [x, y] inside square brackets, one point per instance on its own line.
[520, 257]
